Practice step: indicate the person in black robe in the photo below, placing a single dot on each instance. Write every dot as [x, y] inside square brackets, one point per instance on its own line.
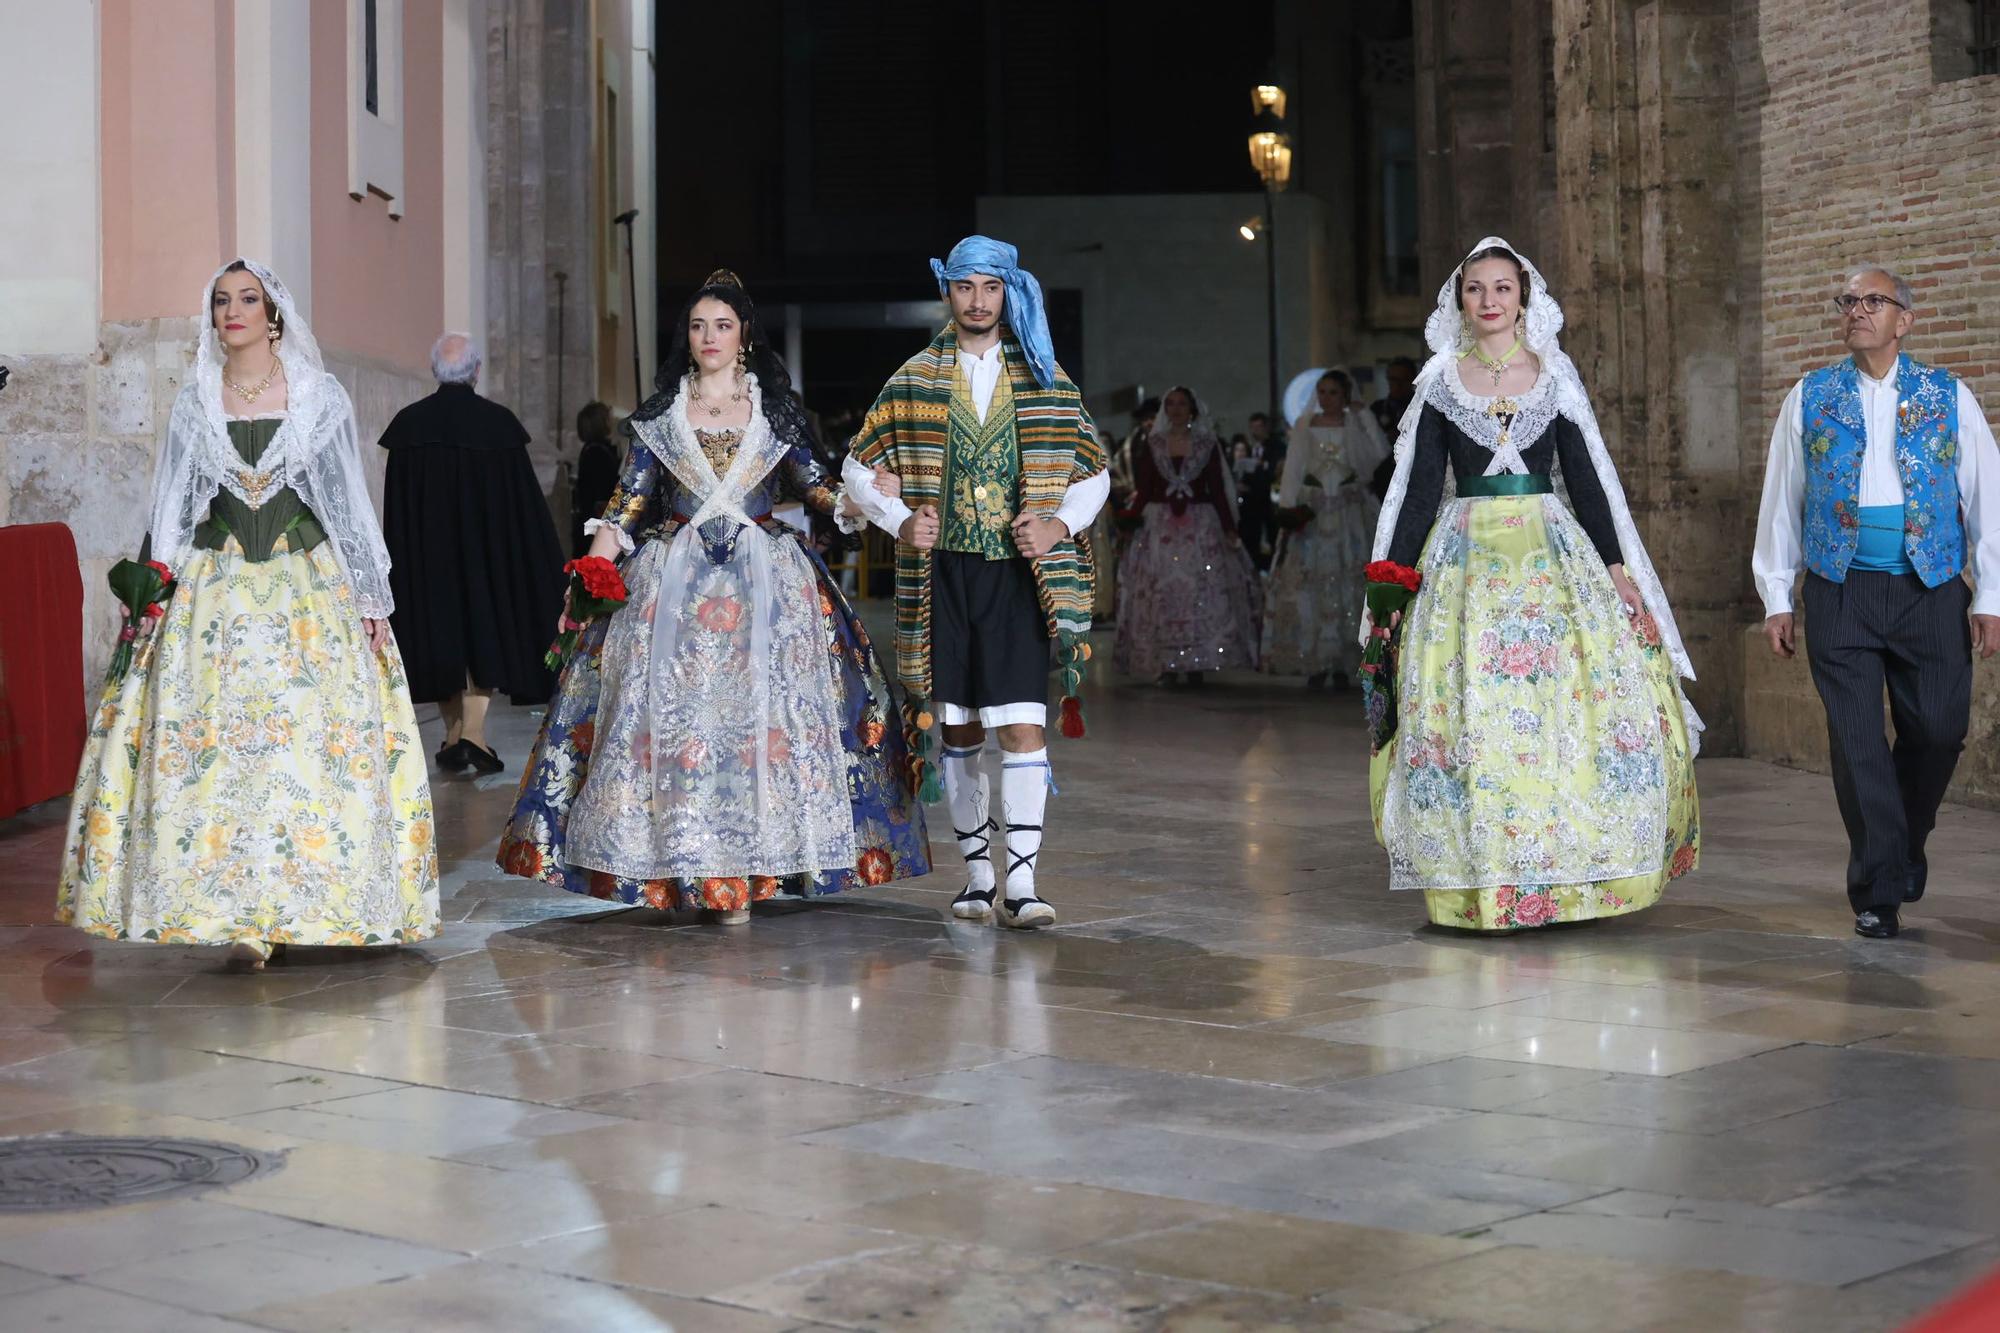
[597, 465]
[476, 566]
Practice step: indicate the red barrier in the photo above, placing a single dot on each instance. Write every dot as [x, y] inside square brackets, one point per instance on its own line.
[41, 664]
[1974, 1310]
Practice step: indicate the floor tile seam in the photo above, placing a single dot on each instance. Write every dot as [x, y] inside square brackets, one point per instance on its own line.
[83, 1218]
[903, 1241]
[226, 1320]
[1915, 1263]
[1864, 1229]
[1515, 1109]
[402, 1085]
[303, 1223]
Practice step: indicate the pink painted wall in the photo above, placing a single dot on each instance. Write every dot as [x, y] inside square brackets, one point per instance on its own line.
[169, 152]
[378, 282]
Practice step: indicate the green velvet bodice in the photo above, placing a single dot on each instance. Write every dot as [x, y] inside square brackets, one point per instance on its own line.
[283, 517]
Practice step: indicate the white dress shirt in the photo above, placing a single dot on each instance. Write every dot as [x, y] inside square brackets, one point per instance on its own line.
[1780, 549]
[984, 372]
[1080, 503]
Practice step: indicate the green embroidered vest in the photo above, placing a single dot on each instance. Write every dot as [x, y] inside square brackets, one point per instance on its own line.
[982, 473]
[282, 518]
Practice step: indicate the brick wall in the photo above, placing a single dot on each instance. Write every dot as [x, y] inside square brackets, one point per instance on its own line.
[1854, 152]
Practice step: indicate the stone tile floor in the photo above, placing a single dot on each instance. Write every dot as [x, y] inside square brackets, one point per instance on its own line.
[1242, 1087]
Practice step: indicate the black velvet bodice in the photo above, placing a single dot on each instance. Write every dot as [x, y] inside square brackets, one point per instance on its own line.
[1441, 444]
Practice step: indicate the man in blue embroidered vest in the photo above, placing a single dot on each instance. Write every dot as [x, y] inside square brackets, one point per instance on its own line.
[1884, 484]
[991, 443]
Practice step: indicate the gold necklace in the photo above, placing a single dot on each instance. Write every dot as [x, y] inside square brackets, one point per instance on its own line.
[255, 391]
[694, 395]
[1496, 368]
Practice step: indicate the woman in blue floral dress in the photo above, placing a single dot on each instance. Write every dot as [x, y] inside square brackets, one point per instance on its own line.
[726, 736]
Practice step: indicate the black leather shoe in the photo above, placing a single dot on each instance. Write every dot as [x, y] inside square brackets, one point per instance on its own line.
[1877, 925]
[1920, 875]
[452, 758]
[482, 758]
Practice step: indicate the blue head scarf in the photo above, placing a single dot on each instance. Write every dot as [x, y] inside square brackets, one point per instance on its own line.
[1025, 313]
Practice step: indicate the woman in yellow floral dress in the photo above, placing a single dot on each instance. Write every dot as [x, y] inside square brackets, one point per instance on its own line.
[254, 780]
[1542, 766]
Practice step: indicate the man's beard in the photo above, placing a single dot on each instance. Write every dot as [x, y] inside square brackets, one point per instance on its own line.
[965, 324]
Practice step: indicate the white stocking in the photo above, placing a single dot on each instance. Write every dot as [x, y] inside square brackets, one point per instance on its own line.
[1024, 792]
[966, 793]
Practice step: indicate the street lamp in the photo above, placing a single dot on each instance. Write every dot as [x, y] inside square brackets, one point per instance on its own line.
[1271, 158]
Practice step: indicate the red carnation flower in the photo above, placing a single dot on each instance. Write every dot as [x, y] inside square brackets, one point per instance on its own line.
[1388, 571]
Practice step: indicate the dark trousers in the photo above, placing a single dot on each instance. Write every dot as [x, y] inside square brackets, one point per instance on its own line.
[1889, 629]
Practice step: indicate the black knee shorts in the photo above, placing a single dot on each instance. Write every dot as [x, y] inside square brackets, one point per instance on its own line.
[989, 639]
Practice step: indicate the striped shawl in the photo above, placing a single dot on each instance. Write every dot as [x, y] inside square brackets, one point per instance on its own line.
[905, 431]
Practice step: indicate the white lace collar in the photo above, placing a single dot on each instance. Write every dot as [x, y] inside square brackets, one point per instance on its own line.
[1480, 418]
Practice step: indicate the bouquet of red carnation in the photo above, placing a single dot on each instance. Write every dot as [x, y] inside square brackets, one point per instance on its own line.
[595, 589]
[1129, 520]
[143, 590]
[1391, 589]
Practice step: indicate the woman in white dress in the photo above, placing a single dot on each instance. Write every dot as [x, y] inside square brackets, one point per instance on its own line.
[255, 778]
[1328, 513]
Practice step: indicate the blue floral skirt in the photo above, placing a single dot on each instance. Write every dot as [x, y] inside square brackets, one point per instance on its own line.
[889, 834]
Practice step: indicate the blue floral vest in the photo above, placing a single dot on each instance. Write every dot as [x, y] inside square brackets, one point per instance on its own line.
[1836, 435]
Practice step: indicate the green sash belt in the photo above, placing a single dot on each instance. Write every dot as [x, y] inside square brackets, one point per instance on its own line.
[1505, 483]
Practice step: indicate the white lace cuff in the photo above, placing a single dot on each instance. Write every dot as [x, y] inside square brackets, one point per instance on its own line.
[625, 542]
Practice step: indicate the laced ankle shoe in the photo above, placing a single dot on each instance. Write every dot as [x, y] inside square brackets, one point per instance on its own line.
[1029, 913]
[1025, 910]
[974, 903]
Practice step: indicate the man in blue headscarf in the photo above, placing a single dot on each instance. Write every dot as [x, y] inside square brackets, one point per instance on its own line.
[1005, 471]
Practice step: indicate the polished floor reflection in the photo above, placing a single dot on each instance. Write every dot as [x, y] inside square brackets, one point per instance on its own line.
[1242, 1087]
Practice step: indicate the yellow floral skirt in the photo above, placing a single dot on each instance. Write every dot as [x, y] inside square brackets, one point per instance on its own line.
[1542, 769]
[256, 775]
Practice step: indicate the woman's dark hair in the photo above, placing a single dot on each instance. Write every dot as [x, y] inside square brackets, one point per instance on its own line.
[593, 423]
[1338, 377]
[774, 382]
[1493, 252]
[270, 306]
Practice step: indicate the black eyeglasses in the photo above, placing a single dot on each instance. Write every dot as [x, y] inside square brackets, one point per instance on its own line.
[1874, 303]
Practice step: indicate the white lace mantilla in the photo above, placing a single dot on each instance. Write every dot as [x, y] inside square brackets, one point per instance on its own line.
[316, 452]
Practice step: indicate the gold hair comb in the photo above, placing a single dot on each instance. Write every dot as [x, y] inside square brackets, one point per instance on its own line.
[723, 277]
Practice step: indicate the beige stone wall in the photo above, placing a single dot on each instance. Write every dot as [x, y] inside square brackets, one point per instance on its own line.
[77, 437]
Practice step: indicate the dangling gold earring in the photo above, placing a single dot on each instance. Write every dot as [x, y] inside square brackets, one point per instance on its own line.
[271, 333]
[1520, 323]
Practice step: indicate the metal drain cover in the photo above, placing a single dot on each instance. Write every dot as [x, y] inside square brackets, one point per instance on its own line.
[58, 1172]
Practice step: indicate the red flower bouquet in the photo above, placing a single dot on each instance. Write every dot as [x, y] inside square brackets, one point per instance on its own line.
[595, 589]
[1130, 519]
[143, 590]
[1391, 589]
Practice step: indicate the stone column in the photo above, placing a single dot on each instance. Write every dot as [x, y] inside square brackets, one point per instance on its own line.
[1465, 130]
[540, 216]
[1646, 227]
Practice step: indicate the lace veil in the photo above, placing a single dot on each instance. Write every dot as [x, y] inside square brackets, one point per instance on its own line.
[316, 451]
[1449, 340]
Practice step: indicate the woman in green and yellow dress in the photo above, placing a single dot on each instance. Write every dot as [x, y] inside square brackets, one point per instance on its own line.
[254, 779]
[1541, 769]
